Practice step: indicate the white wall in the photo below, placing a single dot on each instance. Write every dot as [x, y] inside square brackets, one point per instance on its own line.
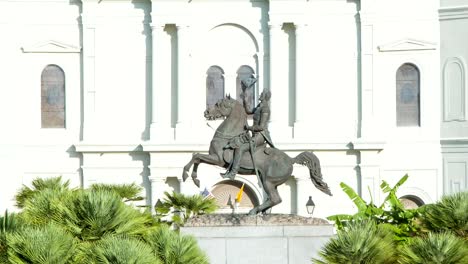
[135, 88]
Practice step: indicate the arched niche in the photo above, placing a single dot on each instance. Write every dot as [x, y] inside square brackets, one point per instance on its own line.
[225, 193]
[454, 87]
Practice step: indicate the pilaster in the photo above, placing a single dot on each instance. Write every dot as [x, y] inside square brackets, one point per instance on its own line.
[303, 101]
[88, 27]
[161, 130]
[279, 65]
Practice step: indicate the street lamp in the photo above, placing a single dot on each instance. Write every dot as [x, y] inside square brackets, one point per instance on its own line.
[310, 205]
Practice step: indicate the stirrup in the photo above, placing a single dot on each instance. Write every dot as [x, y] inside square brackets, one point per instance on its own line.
[229, 175]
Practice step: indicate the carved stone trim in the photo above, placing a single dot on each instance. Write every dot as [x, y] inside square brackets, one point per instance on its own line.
[51, 46]
[407, 45]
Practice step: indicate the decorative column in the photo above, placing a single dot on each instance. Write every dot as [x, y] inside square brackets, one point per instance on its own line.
[88, 28]
[161, 91]
[158, 186]
[181, 185]
[278, 82]
[183, 77]
[303, 191]
[303, 101]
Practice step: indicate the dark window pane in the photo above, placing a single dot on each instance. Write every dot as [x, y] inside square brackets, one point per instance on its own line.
[214, 85]
[243, 73]
[52, 97]
[407, 96]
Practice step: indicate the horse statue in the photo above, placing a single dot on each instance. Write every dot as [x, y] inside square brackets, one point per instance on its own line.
[272, 166]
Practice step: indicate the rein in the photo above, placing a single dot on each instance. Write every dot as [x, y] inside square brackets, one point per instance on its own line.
[222, 135]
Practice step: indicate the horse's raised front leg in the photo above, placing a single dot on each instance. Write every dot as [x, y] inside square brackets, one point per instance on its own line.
[187, 167]
[198, 158]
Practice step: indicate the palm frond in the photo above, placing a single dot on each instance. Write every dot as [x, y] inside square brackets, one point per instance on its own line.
[46, 244]
[435, 248]
[120, 250]
[449, 214]
[174, 248]
[38, 185]
[359, 242]
[130, 192]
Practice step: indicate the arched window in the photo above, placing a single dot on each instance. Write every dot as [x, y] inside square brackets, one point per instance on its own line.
[52, 97]
[245, 72]
[407, 96]
[214, 85]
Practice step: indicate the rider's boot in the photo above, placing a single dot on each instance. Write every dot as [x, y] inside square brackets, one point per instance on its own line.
[231, 174]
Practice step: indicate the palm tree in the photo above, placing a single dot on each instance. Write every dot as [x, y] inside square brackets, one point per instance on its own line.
[128, 192]
[186, 205]
[39, 185]
[86, 214]
[359, 242]
[436, 248]
[449, 214]
[116, 249]
[9, 223]
[46, 244]
[174, 248]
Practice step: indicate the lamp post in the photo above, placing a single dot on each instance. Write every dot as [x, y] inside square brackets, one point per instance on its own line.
[310, 205]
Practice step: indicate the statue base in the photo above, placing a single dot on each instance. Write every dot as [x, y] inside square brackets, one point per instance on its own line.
[275, 238]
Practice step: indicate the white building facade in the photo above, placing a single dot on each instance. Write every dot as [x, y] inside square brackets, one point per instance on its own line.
[114, 92]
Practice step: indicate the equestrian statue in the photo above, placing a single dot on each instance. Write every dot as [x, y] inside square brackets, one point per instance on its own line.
[249, 150]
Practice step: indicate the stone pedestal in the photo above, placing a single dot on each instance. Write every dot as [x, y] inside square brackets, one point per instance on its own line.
[230, 239]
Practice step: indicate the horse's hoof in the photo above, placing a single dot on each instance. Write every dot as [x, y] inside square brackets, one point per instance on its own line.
[184, 175]
[253, 212]
[194, 175]
[197, 182]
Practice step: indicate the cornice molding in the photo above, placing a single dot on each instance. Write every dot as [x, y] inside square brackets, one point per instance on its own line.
[407, 45]
[51, 46]
[453, 12]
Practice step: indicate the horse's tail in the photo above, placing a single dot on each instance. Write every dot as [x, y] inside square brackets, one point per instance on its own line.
[312, 162]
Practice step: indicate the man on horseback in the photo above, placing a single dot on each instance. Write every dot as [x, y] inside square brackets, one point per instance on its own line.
[260, 133]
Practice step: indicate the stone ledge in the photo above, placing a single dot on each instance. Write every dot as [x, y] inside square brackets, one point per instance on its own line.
[256, 220]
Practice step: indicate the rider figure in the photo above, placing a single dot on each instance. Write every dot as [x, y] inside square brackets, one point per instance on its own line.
[261, 117]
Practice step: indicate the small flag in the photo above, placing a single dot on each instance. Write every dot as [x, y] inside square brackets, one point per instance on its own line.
[207, 194]
[239, 194]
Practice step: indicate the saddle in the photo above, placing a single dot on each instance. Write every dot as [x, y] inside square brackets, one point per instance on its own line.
[246, 160]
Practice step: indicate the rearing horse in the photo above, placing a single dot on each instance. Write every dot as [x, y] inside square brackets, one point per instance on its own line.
[274, 167]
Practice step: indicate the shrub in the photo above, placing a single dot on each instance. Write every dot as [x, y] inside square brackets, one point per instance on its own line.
[359, 242]
[391, 212]
[449, 214]
[184, 206]
[45, 244]
[436, 248]
[174, 248]
[112, 249]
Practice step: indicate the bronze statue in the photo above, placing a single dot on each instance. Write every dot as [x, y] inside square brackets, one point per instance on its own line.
[245, 142]
[272, 165]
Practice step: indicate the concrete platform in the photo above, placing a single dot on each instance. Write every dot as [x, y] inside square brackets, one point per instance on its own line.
[240, 239]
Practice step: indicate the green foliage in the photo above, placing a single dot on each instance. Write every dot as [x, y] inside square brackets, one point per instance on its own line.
[449, 214]
[46, 244]
[39, 185]
[8, 223]
[128, 192]
[88, 215]
[185, 206]
[174, 248]
[359, 242]
[62, 225]
[436, 248]
[118, 250]
[391, 212]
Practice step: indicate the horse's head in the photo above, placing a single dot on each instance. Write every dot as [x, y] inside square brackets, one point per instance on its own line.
[221, 109]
